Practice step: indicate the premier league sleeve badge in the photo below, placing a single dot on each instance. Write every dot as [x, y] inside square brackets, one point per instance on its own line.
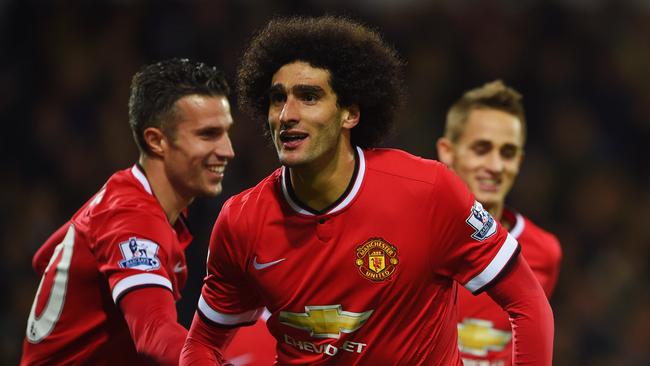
[139, 254]
[481, 221]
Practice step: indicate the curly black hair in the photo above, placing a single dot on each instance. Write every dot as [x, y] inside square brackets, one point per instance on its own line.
[156, 88]
[364, 69]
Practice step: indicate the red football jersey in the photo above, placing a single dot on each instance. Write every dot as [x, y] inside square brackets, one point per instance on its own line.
[370, 280]
[118, 241]
[252, 346]
[484, 334]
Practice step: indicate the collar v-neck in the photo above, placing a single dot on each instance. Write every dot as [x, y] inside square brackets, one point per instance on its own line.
[343, 201]
[138, 173]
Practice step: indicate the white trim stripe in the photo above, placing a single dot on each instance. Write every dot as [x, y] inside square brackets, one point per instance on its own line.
[356, 186]
[228, 319]
[350, 196]
[502, 258]
[141, 178]
[519, 226]
[287, 196]
[265, 315]
[142, 279]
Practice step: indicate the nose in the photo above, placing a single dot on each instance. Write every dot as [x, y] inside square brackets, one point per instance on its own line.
[289, 112]
[494, 162]
[224, 148]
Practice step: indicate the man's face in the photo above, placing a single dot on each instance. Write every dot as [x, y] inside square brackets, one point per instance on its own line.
[304, 119]
[197, 155]
[488, 154]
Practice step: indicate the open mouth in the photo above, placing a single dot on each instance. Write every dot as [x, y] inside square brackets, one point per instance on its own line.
[216, 169]
[292, 138]
[489, 184]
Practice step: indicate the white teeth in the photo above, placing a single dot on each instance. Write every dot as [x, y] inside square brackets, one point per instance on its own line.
[216, 169]
[489, 181]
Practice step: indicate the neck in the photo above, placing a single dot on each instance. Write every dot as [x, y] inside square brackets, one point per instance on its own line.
[320, 185]
[172, 201]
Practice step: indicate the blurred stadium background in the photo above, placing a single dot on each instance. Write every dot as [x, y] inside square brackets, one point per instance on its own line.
[583, 67]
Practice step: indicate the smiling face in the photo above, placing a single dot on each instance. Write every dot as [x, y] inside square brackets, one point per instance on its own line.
[487, 155]
[199, 148]
[307, 126]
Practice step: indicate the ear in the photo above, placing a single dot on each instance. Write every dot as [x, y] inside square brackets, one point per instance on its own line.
[350, 117]
[445, 151]
[155, 140]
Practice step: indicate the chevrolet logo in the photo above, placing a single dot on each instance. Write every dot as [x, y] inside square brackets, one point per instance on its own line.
[326, 321]
[477, 337]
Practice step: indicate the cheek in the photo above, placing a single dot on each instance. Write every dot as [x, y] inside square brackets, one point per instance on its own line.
[512, 168]
[468, 164]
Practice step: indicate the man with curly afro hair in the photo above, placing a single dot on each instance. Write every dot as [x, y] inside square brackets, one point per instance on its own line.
[356, 251]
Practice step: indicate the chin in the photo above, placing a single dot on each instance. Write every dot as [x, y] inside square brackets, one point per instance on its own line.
[289, 161]
[213, 191]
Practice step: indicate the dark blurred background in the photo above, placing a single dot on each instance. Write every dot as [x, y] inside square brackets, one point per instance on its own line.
[583, 67]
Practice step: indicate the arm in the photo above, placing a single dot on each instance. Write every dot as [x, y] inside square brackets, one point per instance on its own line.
[531, 317]
[150, 313]
[205, 343]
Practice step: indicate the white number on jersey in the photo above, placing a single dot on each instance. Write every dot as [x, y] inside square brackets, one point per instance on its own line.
[40, 327]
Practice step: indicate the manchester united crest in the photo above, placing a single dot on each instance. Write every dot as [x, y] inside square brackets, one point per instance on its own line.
[376, 259]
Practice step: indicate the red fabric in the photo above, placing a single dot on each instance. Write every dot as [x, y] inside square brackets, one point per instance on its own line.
[268, 250]
[531, 317]
[204, 343]
[252, 346]
[150, 313]
[90, 263]
[483, 326]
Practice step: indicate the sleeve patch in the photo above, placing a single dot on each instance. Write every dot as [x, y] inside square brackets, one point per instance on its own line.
[139, 254]
[481, 221]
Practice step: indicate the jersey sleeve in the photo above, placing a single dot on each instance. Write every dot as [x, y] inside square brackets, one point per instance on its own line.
[227, 299]
[150, 314]
[474, 248]
[133, 250]
[531, 317]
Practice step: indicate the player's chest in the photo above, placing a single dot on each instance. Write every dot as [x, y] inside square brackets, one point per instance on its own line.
[338, 258]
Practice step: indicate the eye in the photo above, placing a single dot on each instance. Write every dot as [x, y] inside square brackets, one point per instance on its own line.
[310, 97]
[481, 147]
[210, 133]
[276, 97]
[509, 151]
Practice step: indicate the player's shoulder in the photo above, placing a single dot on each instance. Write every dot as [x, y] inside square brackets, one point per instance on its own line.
[256, 197]
[126, 193]
[128, 189]
[529, 233]
[399, 163]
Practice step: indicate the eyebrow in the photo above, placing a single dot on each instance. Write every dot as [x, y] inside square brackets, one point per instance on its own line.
[304, 89]
[297, 89]
[483, 142]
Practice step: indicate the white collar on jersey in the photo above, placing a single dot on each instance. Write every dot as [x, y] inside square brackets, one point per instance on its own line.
[342, 204]
[519, 226]
[139, 175]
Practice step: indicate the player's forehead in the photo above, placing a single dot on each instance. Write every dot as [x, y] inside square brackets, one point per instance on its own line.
[200, 111]
[301, 74]
[492, 125]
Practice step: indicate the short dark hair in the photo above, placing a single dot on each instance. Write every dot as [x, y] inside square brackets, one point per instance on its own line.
[156, 88]
[364, 69]
[492, 95]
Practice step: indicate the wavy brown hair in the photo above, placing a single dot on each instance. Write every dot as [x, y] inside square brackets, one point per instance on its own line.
[364, 69]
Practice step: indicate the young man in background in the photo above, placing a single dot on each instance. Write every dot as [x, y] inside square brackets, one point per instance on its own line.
[483, 143]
